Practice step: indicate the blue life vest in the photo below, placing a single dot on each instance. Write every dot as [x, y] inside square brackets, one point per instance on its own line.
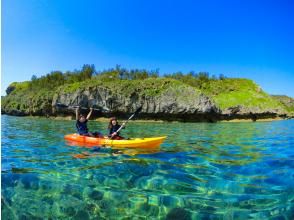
[82, 127]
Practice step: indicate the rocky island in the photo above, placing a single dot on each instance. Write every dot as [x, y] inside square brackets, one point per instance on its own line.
[172, 97]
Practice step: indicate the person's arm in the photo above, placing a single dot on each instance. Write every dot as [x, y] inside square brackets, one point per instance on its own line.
[77, 113]
[89, 114]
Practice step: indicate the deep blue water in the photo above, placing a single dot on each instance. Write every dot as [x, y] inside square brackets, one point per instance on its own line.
[202, 171]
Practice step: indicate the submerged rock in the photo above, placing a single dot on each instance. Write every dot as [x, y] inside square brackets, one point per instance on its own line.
[82, 214]
[30, 181]
[178, 213]
[9, 180]
[96, 195]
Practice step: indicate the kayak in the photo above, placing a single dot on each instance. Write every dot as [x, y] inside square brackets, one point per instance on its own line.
[152, 142]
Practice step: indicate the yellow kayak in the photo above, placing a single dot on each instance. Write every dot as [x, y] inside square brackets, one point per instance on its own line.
[152, 142]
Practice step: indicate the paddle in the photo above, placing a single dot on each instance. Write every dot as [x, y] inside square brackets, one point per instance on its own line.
[125, 122]
[60, 105]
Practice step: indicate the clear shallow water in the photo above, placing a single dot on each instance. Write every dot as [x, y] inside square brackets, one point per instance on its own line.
[202, 171]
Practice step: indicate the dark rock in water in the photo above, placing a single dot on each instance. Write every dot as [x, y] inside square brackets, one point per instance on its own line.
[90, 207]
[150, 210]
[167, 201]
[77, 195]
[29, 216]
[30, 181]
[46, 185]
[68, 189]
[105, 204]
[178, 213]
[71, 190]
[70, 211]
[82, 215]
[9, 180]
[48, 200]
[96, 195]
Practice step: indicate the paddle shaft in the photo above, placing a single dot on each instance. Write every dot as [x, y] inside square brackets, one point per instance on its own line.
[125, 122]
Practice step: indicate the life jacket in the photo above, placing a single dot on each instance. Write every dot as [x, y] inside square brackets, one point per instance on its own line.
[82, 127]
[114, 129]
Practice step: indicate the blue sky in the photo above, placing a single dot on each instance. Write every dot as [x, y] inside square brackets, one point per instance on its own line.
[248, 39]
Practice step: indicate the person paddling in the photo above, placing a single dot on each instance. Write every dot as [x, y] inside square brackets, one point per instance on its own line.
[81, 124]
[113, 126]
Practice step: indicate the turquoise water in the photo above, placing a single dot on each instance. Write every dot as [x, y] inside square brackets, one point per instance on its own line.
[202, 171]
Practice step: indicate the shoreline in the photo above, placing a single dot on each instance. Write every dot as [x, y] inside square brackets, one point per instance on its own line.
[257, 120]
[104, 119]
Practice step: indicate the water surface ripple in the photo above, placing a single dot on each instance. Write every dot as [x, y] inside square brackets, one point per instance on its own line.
[202, 171]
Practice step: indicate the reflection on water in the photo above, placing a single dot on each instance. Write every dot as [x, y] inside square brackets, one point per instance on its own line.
[202, 171]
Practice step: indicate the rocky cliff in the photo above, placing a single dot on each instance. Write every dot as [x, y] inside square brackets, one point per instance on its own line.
[160, 99]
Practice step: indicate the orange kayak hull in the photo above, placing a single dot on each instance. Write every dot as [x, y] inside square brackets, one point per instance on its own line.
[152, 142]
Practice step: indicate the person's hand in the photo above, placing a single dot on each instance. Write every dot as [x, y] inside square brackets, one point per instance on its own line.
[113, 134]
[123, 124]
[91, 109]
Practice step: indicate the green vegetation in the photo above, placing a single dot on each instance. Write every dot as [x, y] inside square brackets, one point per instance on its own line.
[19, 86]
[147, 87]
[229, 92]
[36, 95]
[286, 101]
[232, 92]
[57, 78]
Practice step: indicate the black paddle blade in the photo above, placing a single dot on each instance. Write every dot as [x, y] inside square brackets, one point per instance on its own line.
[103, 109]
[60, 105]
[138, 110]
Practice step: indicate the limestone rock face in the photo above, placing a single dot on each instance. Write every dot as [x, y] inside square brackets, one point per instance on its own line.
[254, 113]
[244, 110]
[172, 101]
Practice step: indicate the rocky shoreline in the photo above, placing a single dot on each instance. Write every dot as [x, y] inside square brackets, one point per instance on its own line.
[140, 120]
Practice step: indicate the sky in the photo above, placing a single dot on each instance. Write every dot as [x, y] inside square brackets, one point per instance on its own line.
[237, 38]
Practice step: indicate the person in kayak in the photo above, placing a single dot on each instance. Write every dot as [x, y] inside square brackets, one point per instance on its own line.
[113, 126]
[81, 124]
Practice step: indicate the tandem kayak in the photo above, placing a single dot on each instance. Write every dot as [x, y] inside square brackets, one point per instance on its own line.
[152, 142]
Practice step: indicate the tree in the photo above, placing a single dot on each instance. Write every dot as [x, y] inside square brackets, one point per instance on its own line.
[87, 71]
[154, 73]
[203, 76]
[222, 76]
[34, 77]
